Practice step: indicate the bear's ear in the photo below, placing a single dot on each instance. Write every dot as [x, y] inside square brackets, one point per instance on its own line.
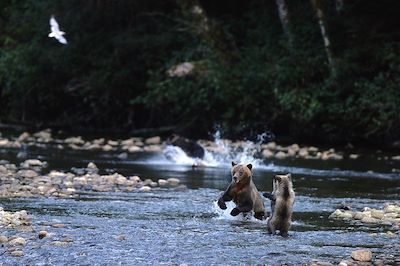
[250, 166]
[234, 163]
[277, 178]
[289, 175]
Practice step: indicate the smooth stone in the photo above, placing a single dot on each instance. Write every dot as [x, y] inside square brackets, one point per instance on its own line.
[280, 155]
[153, 140]
[152, 148]
[42, 234]
[58, 225]
[145, 189]
[353, 156]
[107, 147]
[267, 154]
[133, 149]
[173, 181]
[303, 152]
[17, 253]
[17, 241]
[369, 220]
[3, 239]
[363, 255]
[92, 165]
[60, 243]
[377, 214]
[162, 182]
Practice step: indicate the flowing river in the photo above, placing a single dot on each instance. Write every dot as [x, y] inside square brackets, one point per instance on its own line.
[168, 227]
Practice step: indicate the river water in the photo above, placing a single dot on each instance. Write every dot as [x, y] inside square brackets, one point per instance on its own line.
[168, 227]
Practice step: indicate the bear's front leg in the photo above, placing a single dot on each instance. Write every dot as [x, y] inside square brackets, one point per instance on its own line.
[224, 198]
[243, 207]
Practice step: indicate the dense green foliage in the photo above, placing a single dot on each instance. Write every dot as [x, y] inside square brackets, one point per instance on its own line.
[113, 72]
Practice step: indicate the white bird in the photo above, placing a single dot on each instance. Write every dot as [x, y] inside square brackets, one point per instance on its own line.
[55, 31]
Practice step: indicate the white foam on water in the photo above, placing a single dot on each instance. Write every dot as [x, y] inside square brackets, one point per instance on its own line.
[226, 214]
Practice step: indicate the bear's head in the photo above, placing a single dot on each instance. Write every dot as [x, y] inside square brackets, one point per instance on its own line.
[241, 173]
[284, 181]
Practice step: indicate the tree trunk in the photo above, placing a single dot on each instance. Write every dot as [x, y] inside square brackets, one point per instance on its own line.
[283, 13]
[327, 44]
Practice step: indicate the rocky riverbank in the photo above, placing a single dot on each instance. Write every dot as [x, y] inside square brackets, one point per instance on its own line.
[27, 180]
[389, 215]
[271, 150]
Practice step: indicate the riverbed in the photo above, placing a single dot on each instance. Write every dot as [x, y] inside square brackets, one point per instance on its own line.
[169, 227]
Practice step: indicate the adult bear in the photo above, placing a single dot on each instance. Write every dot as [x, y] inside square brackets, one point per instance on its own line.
[243, 192]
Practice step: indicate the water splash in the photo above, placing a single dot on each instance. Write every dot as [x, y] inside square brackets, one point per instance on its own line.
[219, 152]
[226, 214]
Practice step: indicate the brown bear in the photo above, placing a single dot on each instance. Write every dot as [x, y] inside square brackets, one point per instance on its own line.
[282, 200]
[243, 192]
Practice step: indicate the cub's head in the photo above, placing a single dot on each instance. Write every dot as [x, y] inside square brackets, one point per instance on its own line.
[283, 180]
[241, 173]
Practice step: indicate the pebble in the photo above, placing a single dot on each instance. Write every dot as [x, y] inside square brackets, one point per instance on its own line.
[17, 253]
[363, 255]
[17, 241]
[3, 239]
[145, 189]
[162, 182]
[58, 225]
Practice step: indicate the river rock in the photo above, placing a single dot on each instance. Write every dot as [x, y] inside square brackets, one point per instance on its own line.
[153, 140]
[24, 136]
[3, 239]
[363, 255]
[162, 182]
[17, 253]
[108, 147]
[58, 225]
[113, 142]
[17, 241]
[377, 214]
[152, 148]
[173, 181]
[391, 208]
[74, 140]
[145, 189]
[303, 152]
[369, 220]
[133, 149]
[33, 163]
[120, 180]
[280, 155]
[270, 145]
[267, 153]
[339, 214]
[27, 173]
[353, 156]
[42, 234]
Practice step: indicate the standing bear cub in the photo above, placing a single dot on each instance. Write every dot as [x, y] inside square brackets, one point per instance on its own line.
[243, 192]
[282, 199]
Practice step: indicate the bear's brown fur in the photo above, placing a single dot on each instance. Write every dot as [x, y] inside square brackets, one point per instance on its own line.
[282, 200]
[243, 192]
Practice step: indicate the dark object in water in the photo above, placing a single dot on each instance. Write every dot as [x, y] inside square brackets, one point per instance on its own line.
[190, 147]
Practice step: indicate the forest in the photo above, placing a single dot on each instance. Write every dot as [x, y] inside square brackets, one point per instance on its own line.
[326, 71]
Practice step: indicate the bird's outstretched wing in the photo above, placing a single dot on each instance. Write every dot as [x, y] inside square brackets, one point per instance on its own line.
[61, 39]
[53, 24]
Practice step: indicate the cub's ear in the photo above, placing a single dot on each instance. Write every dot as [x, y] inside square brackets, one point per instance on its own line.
[289, 175]
[277, 178]
[250, 166]
[234, 163]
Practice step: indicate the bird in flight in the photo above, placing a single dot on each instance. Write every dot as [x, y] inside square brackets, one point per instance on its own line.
[55, 31]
